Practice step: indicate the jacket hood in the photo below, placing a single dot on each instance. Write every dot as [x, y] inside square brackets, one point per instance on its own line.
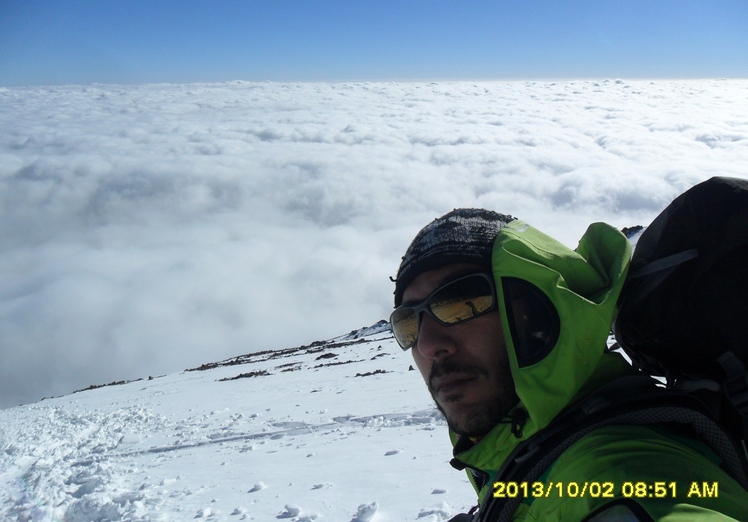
[557, 306]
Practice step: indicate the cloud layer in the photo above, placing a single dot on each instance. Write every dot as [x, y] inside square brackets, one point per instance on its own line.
[145, 229]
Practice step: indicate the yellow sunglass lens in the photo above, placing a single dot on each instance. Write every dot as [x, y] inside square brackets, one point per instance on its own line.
[405, 327]
[456, 310]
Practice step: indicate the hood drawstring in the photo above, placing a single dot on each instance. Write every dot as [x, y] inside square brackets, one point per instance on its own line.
[519, 418]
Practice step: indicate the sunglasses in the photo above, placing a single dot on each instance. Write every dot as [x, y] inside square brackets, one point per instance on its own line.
[456, 302]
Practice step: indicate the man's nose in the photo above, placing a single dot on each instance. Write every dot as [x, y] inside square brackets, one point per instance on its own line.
[434, 341]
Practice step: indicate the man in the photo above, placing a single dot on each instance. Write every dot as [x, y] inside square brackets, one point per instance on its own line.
[508, 328]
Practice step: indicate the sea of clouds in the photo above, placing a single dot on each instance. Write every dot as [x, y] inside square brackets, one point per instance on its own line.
[146, 229]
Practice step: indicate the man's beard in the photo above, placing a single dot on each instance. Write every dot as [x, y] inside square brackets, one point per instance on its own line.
[481, 418]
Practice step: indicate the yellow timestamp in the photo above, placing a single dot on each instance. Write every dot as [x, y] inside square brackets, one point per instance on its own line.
[634, 489]
[558, 489]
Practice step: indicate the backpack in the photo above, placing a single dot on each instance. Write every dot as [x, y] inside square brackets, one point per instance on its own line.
[682, 315]
[683, 310]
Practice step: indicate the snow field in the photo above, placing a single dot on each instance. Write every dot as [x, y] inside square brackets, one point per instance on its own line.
[298, 443]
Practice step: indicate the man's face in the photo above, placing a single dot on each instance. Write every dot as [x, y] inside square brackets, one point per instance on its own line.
[465, 366]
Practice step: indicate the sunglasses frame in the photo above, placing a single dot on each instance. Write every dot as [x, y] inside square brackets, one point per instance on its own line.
[424, 306]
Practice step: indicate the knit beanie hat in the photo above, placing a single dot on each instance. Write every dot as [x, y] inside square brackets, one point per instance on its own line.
[465, 235]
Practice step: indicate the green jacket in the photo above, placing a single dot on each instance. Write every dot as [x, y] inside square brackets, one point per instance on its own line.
[556, 331]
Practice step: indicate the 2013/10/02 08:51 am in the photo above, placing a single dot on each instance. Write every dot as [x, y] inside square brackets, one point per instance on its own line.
[602, 489]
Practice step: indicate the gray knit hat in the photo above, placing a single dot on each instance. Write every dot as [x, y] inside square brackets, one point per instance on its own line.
[465, 235]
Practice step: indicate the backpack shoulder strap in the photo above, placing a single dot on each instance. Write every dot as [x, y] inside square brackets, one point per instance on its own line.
[735, 387]
[635, 400]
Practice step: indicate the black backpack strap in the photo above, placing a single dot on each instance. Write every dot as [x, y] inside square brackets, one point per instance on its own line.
[663, 263]
[735, 387]
[663, 267]
[629, 401]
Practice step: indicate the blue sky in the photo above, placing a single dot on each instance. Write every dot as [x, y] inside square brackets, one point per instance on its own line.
[137, 41]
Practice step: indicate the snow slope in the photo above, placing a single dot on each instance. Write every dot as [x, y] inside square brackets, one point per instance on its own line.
[338, 430]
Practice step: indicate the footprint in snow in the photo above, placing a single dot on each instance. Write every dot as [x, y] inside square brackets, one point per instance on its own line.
[291, 510]
[201, 513]
[257, 487]
[442, 512]
[391, 452]
[366, 512]
[322, 486]
[438, 491]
